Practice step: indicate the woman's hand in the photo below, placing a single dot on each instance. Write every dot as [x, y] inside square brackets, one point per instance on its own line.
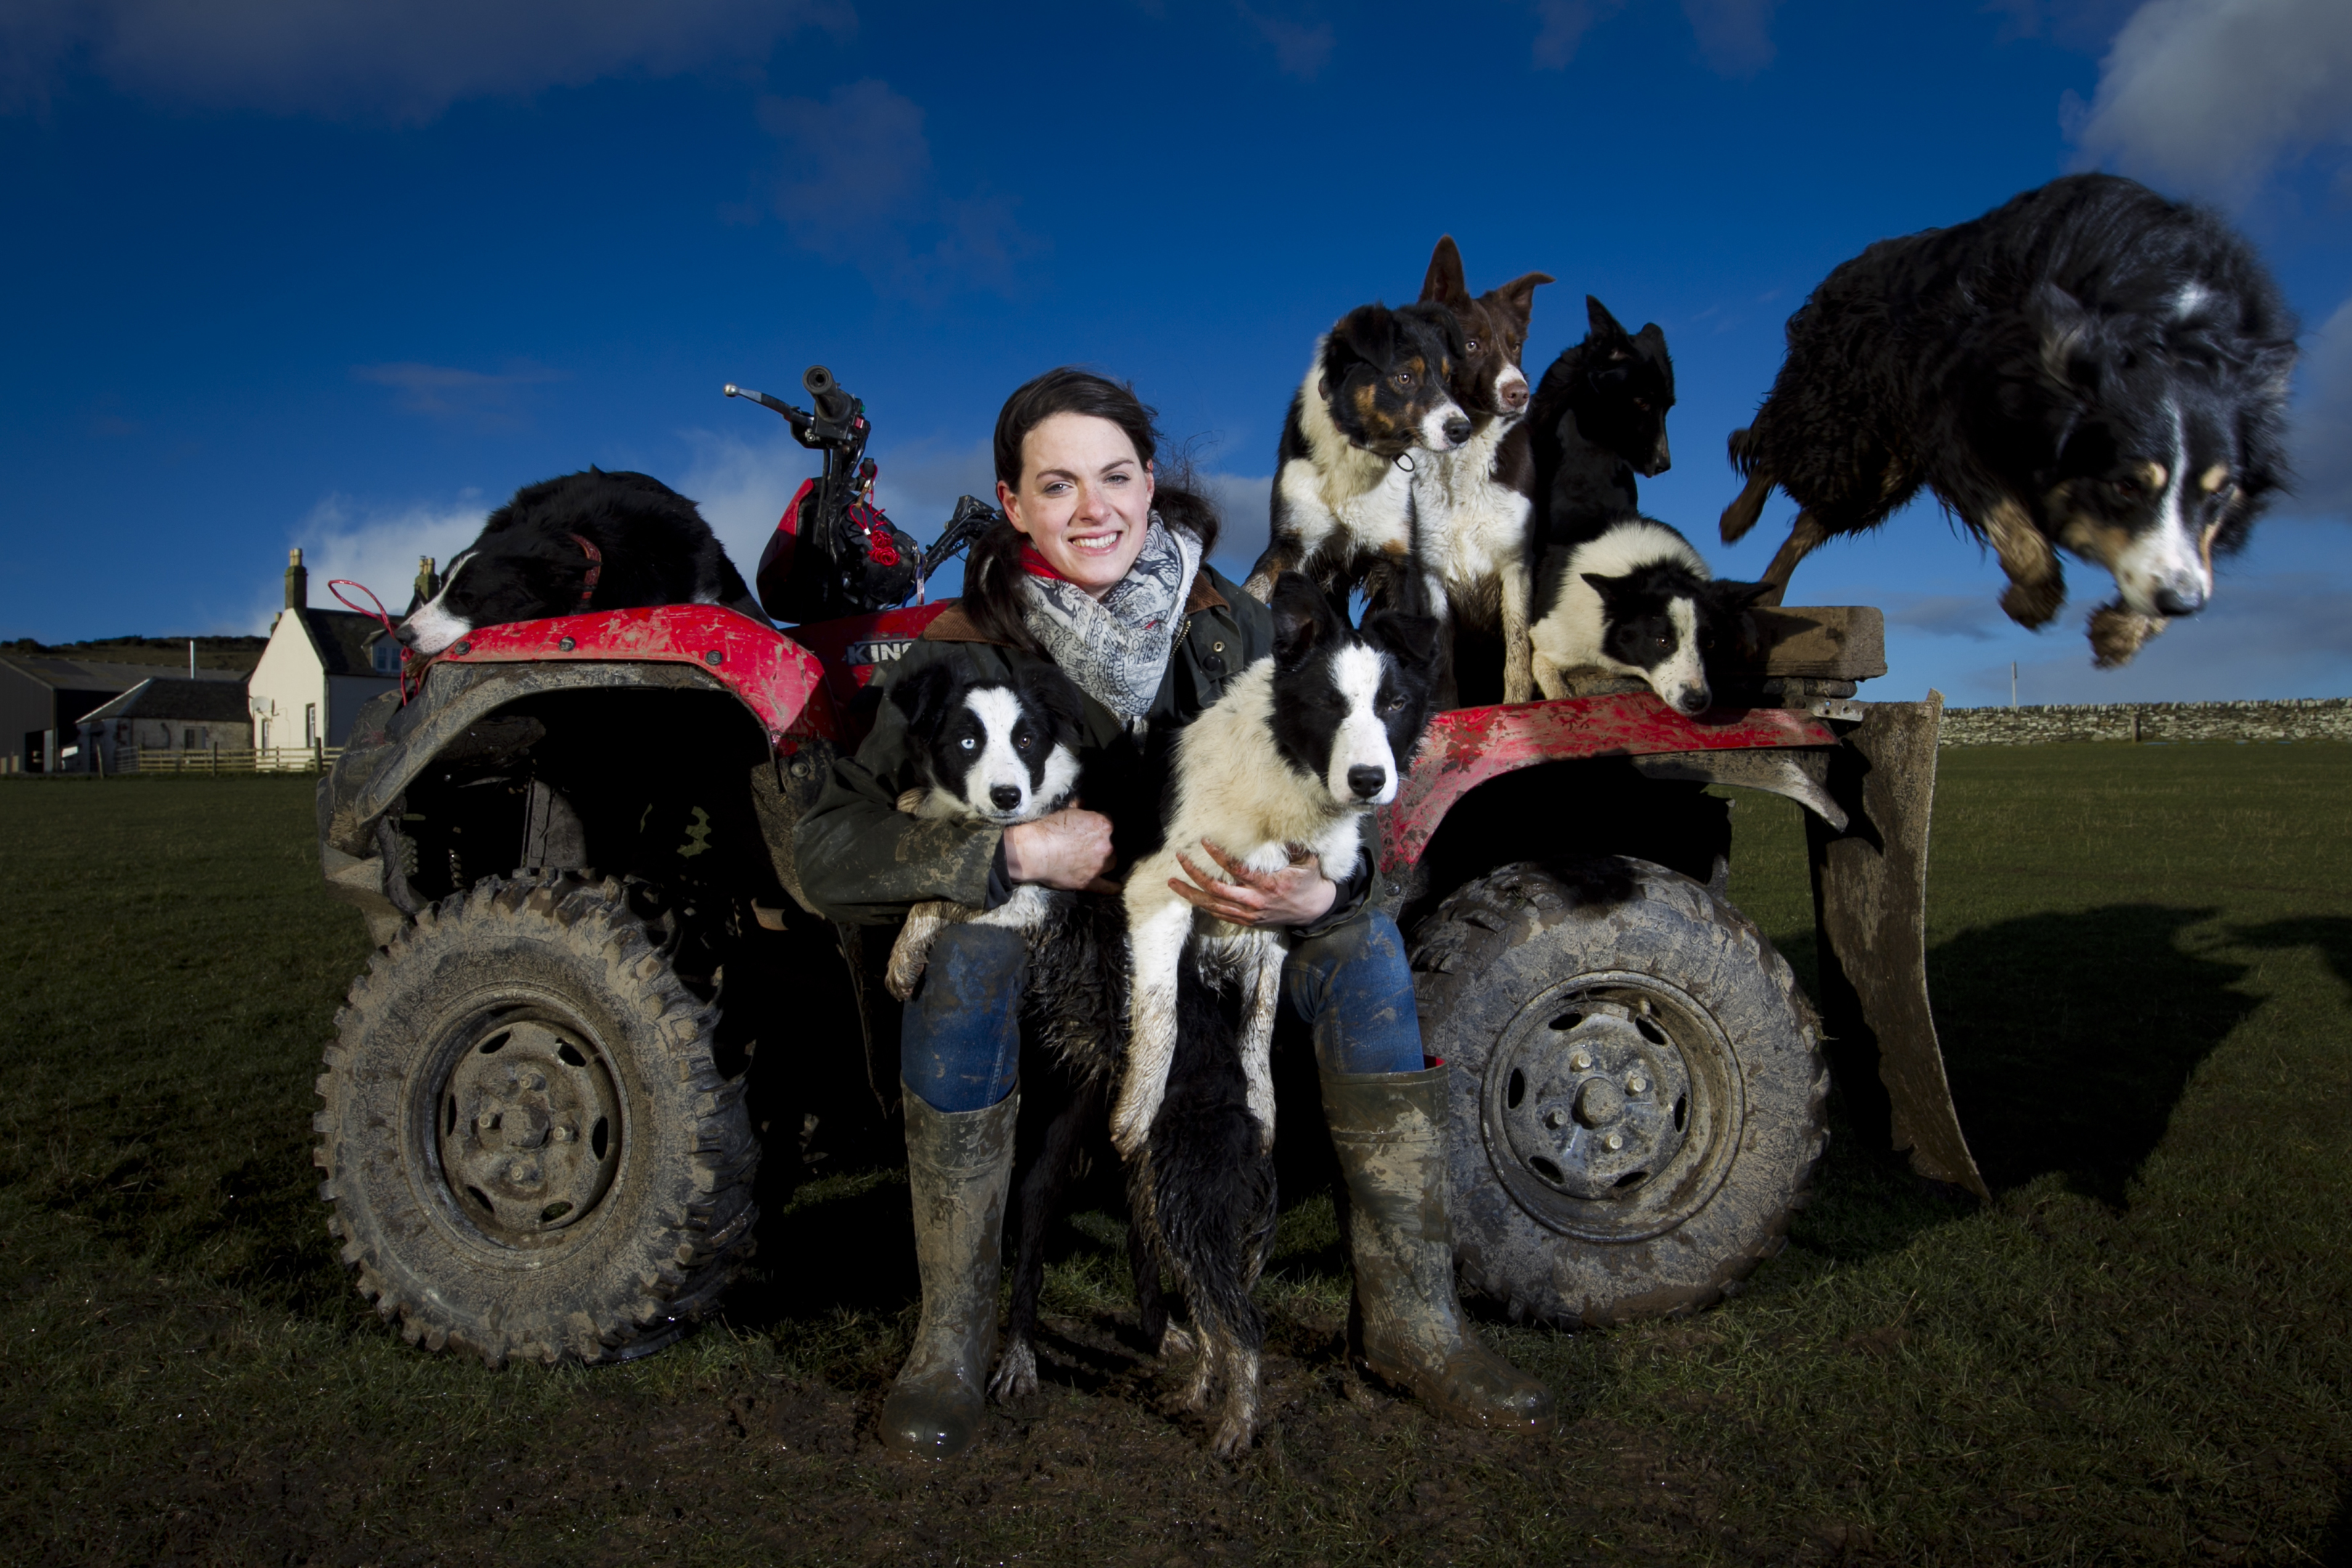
[1295, 896]
[1069, 850]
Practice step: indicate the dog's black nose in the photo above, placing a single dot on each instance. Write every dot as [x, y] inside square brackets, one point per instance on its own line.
[2171, 601]
[1004, 797]
[1457, 429]
[404, 635]
[1367, 781]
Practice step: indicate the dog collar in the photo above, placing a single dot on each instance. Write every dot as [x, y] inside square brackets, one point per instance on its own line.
[595, 570]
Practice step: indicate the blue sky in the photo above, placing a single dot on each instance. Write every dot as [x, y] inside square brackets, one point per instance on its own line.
[281, 272]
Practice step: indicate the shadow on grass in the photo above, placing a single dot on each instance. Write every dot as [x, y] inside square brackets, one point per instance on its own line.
[2330, 935]
[2069, 1038]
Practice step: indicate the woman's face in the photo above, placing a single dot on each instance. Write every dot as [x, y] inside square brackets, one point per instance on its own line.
[1084, 499]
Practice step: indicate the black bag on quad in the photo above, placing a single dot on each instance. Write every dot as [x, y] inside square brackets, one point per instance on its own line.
[544, 1112]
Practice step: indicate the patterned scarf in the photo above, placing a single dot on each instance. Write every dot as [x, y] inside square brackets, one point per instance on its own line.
[1115, 648]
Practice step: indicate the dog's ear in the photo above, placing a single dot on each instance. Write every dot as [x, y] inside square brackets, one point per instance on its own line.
[1650, 342]
[1303, 619]
[921, 696]
[1605, 333]
[1730, 598]
[1367, 333]
[2066, 336]
[1053, 693]
[1411, 638]
[1520, 293]
[1609, 588]
[1442, 284]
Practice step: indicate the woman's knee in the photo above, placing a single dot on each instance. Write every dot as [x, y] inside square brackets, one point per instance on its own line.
[1354, 988]
[960, 1039]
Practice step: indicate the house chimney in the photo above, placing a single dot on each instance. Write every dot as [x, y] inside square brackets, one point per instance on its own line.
[297, 581]
[427, 583]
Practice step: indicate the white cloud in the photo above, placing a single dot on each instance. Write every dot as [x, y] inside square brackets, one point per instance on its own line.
[856, 184]
[376, 545]
[2323, 420]
[1735, 37]
[1242, 502]
[351, 59]
[2212, 95]
[1561, 26]
[448, 392]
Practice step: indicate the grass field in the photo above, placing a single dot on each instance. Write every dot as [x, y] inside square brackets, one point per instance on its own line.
[2138, 1353]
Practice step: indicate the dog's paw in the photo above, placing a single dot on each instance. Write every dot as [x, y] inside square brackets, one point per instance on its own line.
[1234, 1433]
[2033, 604]
[906, 971]
[1016, 1373]
[2118, 634]
[1175, 1345]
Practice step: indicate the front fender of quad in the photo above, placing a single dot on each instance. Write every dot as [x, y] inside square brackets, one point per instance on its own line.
[629, 708]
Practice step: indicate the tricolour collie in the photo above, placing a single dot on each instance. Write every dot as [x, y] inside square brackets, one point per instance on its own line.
[1637, 600]
[1477, 502]
[1380, 387]
[1291, 760]
[2089, 368]
[574, 544]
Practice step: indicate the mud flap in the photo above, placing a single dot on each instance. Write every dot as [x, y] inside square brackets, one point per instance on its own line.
[1870, 910]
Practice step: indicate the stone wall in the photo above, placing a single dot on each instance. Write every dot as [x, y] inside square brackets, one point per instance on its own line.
[2300, 719]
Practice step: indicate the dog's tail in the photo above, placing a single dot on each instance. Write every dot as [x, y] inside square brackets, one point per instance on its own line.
[1747, 458]
[1205, 1183]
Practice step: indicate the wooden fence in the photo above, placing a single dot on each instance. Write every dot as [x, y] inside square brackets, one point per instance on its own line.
[226, 759]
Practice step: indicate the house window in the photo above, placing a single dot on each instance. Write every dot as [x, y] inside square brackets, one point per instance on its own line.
[187, 740]
[387, 656]
[265, 734]
[310, 723]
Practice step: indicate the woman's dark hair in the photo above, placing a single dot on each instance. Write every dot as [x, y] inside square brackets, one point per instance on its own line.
[991, 578]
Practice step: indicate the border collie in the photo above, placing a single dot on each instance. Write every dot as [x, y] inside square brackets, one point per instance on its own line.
[2089, 368]
[1303, 745]
[1380, 387]
[566, 546]
[1599, 419]
[1476, 501]
[1637, 600]
[986, 751]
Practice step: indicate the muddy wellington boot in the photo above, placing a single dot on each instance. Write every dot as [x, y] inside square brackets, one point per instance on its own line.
[959, 1164]
[1407, 1325]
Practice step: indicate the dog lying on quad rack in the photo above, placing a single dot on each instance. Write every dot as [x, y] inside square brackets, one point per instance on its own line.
[2088, 367]
[578, 543]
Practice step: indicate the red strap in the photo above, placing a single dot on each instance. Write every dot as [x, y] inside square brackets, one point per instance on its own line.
[1037, 565]
[595, 570]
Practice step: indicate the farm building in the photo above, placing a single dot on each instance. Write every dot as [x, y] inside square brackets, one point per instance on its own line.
[320, 666]
[45, 696]
[167, 713]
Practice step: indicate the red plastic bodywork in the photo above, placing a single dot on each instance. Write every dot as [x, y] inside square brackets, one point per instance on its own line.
[802, 685]
[1465, 748]
[777, 679]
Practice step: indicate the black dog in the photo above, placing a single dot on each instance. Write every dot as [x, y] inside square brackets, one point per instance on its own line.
[2090, 368]
[1599, 419]
[570, 545]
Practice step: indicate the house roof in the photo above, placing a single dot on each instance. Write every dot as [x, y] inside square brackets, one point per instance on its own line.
[341, 639]
[163, 697]
[64, 674]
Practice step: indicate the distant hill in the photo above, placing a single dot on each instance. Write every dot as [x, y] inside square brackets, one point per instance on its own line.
[212, 653]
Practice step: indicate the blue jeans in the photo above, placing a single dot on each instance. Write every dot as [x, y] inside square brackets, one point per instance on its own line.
[959, 1045]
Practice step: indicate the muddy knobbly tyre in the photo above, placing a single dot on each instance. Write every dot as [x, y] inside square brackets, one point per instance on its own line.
[1637, 1089]
[528, 1146]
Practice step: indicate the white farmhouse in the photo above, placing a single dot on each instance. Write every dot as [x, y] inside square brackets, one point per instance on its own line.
[320, 666]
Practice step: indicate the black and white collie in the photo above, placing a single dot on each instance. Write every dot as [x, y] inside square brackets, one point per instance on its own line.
[1637, 600]
[1380, 386]
[2089, 367]
[1599, 420]
[570, 545]
[993, 752]
[1476, 501]
[1301, 748]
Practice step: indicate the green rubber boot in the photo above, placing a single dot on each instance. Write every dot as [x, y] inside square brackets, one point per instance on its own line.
[1390, 1132]
[959, 1164]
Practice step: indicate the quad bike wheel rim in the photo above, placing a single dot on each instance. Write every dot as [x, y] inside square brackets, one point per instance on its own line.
[518, 1116]
[1611, 1106]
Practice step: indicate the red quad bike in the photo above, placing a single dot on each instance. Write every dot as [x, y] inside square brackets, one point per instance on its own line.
[545, 1105]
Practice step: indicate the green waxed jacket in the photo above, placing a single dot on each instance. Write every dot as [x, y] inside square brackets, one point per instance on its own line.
[863, 861]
